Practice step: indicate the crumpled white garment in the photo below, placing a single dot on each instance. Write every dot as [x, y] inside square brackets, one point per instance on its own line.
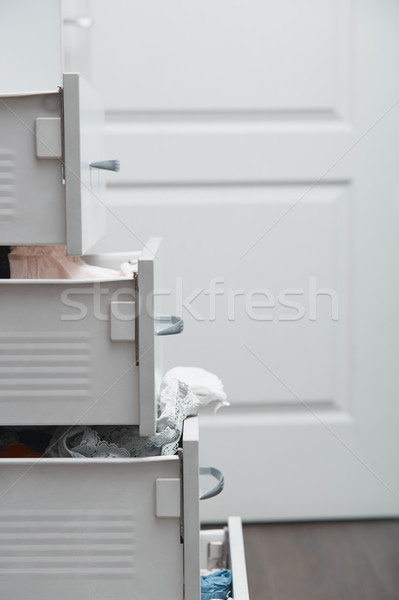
[177, 402]
[206, 386]
[52, 262]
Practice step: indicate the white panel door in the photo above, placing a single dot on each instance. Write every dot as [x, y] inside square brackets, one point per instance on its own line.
[260, 139]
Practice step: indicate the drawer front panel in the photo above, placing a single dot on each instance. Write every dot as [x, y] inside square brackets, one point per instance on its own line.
[76, 528]
[191, 493]
[58, 361]
[36, 205]
[149, 351]
[45, 364]
[83, 145]
[82, 352]
[74, 542]
[32, 196]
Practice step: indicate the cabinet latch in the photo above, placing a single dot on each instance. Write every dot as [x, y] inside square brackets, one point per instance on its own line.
[122, 317]
[167, 497]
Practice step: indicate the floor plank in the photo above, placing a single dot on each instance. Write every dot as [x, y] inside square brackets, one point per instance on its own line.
[353, 560]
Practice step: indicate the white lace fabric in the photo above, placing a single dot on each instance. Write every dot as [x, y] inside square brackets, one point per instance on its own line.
[206, 386]
[177, 402]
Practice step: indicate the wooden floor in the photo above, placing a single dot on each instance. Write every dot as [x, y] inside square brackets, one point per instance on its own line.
[323, 561]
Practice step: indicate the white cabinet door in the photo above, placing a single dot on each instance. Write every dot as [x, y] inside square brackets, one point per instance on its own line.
[260, 140]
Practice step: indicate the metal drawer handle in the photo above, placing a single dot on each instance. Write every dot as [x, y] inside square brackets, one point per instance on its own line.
[218, 475]
[174, 325]
[108, 165]
[84, 22]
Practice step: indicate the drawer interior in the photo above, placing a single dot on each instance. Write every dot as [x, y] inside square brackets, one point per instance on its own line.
[76, 350]
[224, 549]
[104, 525]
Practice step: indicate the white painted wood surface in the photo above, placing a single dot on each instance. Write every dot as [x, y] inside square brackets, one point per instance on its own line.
[260, 141]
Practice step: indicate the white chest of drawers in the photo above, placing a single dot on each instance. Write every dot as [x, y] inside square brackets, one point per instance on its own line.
[76, 351]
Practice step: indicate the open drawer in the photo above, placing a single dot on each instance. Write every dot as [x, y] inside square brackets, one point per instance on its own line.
[110, 528]
[106, 528]
[80, 351]
[224, 549]
[52, 165]
[93, 528]
[225, 546]
[88, 528]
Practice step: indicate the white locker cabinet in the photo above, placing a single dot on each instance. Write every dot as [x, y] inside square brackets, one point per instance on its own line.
[87, 352]
[50, 191]
[81, 351]
[109, 528]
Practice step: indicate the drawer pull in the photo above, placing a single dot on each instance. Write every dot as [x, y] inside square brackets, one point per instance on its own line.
[83, 22]
[173, 324]
[108, 165]
[217, 488]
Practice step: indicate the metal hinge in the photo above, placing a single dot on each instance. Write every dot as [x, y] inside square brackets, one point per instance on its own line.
[218, 554]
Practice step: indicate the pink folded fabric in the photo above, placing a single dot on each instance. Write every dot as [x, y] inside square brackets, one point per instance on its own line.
[52, 262]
